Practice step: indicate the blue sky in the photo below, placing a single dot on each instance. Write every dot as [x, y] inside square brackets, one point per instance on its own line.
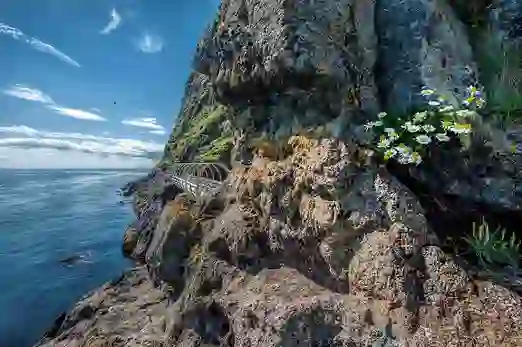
[94, 83]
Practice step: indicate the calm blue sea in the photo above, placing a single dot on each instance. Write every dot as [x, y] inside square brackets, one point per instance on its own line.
[46, 216]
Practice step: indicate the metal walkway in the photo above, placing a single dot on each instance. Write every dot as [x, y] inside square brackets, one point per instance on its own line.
[200, 180]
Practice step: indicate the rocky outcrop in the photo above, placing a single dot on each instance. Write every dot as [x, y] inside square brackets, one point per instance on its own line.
[314, 240]
[128, 311]
[322, 247]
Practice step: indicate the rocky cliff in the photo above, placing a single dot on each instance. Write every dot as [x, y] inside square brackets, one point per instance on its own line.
[375, 150]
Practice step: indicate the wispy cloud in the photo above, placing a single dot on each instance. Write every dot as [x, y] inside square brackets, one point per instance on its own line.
[147, 123]
[157, 132]
[31, 94]
[36, 95]
[149, 43]
[150, 123]
[25, 137]
[76, 113]
[113, 24]
[37, 44]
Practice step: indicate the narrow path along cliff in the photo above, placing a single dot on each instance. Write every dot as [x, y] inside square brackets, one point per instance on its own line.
[341, 173]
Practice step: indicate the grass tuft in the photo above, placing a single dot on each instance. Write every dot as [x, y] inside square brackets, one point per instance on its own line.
[494, 248]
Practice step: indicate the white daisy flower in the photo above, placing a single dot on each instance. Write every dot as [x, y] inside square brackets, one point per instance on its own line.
[402, 149]
[442, 137]
[420, 116]
[413, 128]
[428, 128]
[447, 108]
[404, 159]
[384, 142]
[461, 128]
[423, 139]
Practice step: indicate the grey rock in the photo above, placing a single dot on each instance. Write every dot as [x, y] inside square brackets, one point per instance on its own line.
[421, 43]
[506, 17]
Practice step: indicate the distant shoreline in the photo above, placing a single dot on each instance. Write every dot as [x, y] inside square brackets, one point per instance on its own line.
[79, 169]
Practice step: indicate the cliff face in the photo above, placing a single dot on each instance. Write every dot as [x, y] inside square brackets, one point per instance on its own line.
[317, 241]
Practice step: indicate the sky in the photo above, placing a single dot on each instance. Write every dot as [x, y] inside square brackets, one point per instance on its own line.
[93, 83]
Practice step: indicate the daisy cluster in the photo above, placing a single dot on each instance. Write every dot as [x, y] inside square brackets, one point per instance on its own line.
[404, 139]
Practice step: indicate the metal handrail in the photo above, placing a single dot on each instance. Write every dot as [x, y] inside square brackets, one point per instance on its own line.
[200, 180]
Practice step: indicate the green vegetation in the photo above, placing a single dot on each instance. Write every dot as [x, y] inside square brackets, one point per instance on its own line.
[201, 137]
[405, 139]
[493, 248]
[216, 150]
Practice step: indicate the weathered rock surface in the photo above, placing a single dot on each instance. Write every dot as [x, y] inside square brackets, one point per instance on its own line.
[126, 312]
[320, 248]
[314, 243]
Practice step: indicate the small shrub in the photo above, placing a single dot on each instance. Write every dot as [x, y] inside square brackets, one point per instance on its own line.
[405, 139]
[493, 247]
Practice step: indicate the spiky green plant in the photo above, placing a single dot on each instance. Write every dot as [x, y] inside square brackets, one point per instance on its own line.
[494, 247]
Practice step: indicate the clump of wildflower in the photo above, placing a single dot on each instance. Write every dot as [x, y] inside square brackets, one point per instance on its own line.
[423, 139]
[405, 139]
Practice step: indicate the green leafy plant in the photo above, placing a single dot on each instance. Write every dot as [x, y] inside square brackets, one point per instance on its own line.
[493, 247]
[405, 139]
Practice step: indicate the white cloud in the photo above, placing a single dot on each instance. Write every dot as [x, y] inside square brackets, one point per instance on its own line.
[27, 93]
[149, 43]
[146, 123]
[32, 94]
[157, 132]
[113, 24]
[76, 113]
[14, 140]
[49, 158]
[41, 46]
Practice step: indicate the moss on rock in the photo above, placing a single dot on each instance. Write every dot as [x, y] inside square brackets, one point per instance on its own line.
[203, 137]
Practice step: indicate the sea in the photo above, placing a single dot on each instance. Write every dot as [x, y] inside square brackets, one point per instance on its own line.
[60, 237]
